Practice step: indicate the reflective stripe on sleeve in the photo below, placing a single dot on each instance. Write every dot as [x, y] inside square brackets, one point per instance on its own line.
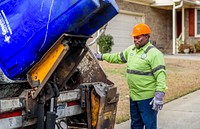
[122, 57]
[158, 68]
[148, 49]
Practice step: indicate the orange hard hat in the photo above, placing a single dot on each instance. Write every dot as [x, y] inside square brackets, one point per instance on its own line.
[140, 29]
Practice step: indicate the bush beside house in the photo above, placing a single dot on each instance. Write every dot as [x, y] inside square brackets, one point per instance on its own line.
[187, 48]
[105, 43]
[191, 48]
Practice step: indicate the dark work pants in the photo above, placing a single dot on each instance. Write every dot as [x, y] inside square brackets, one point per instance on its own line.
[142, 115]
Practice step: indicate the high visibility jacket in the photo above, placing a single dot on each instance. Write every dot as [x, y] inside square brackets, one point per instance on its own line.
[145, 70]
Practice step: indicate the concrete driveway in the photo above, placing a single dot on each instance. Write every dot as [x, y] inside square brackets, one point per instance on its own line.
[184, 56]
[182, 113]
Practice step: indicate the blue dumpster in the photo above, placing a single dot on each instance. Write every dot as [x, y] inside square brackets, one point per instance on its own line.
[28, 28]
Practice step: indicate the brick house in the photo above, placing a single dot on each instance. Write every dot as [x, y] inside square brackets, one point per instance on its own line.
[173, 22]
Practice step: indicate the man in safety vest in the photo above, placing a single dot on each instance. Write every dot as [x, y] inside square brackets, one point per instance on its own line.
[146, 77]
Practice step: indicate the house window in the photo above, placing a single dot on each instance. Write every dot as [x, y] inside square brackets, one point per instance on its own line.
[197, 22]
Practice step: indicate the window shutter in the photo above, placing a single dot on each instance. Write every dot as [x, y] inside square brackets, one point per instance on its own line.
[191, 22]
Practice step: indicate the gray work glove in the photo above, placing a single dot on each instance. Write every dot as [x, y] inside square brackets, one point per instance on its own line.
[157, 101]
[98, 56]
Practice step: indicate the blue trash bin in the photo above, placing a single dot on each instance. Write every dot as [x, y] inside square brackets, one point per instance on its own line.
[30, 27]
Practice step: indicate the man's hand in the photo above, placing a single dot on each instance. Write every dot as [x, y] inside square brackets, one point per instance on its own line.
[98, 56]
[157, 101]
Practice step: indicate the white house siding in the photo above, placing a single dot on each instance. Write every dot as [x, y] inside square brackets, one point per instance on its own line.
[159, 21]
[120, 27]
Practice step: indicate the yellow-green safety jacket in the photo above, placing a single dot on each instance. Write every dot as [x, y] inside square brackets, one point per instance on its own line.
[145, 70]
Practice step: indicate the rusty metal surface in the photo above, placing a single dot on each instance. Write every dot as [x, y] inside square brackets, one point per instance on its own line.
[68, 66]
[13, 89]
[107, 98]
[91, 70]
[11, 104]
[79, 66]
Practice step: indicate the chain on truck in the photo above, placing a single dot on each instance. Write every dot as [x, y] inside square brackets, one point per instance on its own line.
[50, 79]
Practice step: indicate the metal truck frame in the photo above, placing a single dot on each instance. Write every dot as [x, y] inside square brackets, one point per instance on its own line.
[66, 89]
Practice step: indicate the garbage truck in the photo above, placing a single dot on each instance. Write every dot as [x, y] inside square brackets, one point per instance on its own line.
[49, 78]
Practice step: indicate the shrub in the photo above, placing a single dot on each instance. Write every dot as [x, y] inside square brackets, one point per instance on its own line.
[191, 48]
[105, 43]
[197, 46]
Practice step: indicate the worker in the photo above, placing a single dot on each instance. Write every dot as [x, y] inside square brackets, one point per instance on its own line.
[146, 77]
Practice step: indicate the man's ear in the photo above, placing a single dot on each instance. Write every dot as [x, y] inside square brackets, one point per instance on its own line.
[147, 37]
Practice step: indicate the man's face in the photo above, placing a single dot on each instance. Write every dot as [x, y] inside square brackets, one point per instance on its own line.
[141, 40]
